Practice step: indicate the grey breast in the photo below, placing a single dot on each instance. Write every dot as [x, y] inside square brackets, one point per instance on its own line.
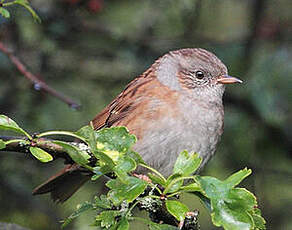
[196, 130]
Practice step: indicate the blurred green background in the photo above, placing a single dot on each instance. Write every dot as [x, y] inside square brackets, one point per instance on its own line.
[90, 49]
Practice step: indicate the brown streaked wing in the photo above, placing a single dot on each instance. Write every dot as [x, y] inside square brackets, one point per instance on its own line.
[124, 104]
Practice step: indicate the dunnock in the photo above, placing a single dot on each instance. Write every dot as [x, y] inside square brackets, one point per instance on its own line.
[175, 105]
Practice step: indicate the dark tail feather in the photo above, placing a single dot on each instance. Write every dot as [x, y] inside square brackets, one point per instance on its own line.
[64, 184]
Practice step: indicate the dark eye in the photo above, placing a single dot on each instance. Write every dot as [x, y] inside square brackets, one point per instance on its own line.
[199, 75]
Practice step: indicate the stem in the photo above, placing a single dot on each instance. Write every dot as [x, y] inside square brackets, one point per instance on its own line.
[49, 133]
[154, 186]
[13, 141]
[154, 197]
[177, 180]
[32, 77]
[154, 170]
[158, 189]
[9, 3]
[133, 206]
[174, 194]
[26, 134]
[88, 167]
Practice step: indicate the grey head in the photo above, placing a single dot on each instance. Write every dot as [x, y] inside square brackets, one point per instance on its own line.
[195, 72]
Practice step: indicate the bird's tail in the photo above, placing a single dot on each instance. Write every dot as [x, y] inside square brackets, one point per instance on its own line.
[65, 183]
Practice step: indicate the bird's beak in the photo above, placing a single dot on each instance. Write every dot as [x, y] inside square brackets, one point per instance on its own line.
[226, 79]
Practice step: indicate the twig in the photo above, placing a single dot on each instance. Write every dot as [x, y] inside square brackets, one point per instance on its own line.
[38, 84]
[55, 150]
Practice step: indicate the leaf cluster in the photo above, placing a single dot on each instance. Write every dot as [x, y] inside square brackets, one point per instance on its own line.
[230, 207]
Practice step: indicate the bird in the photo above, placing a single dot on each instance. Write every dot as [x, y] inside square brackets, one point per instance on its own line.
[175, 105]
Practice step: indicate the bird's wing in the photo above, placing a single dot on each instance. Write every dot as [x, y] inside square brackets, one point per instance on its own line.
[117, 112]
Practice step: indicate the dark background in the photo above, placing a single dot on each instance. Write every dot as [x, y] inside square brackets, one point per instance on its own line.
[90, 49]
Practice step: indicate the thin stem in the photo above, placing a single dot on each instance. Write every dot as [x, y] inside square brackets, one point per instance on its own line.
[26, 134]
[154, 197]
[9, 3]
[88, 167]
[133, 206]
[177, 180]
[158, 189]
[50, 133]
[153, 186]
[37, 81]
[153, 170]
[13, 141]
[173, 194]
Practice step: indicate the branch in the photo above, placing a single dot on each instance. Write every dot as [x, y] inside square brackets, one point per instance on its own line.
[38, 84]
[157, 213]
[55, 150]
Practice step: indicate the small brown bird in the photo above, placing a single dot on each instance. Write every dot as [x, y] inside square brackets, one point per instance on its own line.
[174, 105]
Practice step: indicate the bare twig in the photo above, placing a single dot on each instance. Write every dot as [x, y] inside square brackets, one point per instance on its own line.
[38, 84]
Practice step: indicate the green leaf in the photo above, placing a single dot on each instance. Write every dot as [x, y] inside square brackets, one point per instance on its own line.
[77, 155]
[186, 163]
[87, 133]
[231, 208]
[114, 141]
[123, 224]
[26, 5]
[125, 191]
[156, 179]
[40, 154]
[5, 13]
[107, 218]
[111, 145]
[259, 221]
[8, 124]
[106, 160]
[237, 177]
[193, 187]
[2, 144]
[136, 157]
[124, 165]
[80, 209]
[177, 209]
[172, 186]
[103, 202]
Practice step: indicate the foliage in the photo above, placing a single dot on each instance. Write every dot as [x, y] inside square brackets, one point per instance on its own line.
[230, 207]
[24, 3]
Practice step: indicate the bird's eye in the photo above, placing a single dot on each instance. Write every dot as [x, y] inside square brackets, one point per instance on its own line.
[199, 75]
